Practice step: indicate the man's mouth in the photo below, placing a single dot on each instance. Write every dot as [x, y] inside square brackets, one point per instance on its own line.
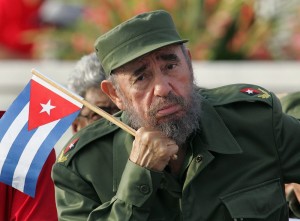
[168, 110]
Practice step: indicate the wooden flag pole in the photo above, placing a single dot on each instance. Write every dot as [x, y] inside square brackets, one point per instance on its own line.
[94, 108]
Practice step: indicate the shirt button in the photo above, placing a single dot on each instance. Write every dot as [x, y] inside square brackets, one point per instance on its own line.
[162, 184]
[199, 158]
[144, 189]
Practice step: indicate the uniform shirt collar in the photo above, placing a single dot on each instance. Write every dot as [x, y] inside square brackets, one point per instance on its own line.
[214, 132]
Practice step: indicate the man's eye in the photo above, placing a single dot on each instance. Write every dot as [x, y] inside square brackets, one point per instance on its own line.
[170, 66]
[140, 78]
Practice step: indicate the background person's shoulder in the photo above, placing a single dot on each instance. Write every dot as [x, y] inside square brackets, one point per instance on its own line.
[291, 104]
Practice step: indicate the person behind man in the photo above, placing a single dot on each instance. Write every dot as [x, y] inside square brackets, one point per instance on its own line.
[85, 81]
[17, 206]
[211, 154]
[291, 106]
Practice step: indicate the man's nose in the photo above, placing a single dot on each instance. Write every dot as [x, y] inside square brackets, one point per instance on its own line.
[162, 85]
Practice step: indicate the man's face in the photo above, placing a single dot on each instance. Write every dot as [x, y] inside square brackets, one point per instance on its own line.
[156, 91]
[96, 97]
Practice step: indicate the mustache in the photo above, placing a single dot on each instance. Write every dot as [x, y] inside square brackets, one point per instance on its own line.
[170, 99]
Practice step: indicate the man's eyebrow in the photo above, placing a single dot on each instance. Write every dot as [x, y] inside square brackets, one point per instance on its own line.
[140, 69]
[168, 57]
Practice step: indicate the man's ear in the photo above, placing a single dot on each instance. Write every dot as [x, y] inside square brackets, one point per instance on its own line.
[75, 126]
[189, 53]
[108, 88]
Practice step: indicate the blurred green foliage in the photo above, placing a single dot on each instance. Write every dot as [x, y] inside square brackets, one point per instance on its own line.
[216, 29]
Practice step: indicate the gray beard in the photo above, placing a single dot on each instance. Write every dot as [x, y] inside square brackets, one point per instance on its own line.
[178, 128]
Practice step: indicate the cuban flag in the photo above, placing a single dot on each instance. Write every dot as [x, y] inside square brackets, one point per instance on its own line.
[29, 130]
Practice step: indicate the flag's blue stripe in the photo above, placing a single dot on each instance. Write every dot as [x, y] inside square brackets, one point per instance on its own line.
[14, 154]
[44, 151]
[14, 110]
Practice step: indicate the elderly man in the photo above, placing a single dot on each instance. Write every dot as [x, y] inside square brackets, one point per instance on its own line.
[213, 155]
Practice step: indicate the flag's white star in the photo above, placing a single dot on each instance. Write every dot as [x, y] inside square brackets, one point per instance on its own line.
[47, 107]
[249, 91]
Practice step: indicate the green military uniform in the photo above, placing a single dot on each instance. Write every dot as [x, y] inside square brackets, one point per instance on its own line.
[235, 167]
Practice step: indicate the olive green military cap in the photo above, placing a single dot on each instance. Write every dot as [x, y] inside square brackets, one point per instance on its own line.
[135, 37]
[291, 104]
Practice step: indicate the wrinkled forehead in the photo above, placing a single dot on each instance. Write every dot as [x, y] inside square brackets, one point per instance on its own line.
[170, 52]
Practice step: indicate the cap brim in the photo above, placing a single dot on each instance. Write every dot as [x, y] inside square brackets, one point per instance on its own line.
[145, 50]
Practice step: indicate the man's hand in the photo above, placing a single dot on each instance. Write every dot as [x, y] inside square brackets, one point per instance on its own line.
[293, 187]
[292, 192]
[152, 150]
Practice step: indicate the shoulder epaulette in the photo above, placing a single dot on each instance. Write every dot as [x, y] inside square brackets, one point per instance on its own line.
[86, 135]
[235, 93]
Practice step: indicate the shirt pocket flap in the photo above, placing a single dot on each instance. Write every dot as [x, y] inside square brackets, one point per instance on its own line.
[258, 201]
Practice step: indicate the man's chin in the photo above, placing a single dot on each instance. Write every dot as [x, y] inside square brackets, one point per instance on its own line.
[169, 118]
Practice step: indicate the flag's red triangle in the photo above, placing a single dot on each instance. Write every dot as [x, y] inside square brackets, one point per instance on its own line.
[41, 96]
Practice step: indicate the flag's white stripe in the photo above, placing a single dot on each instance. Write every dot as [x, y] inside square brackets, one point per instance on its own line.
[60, 93]
[12, 133]
[29, 152]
